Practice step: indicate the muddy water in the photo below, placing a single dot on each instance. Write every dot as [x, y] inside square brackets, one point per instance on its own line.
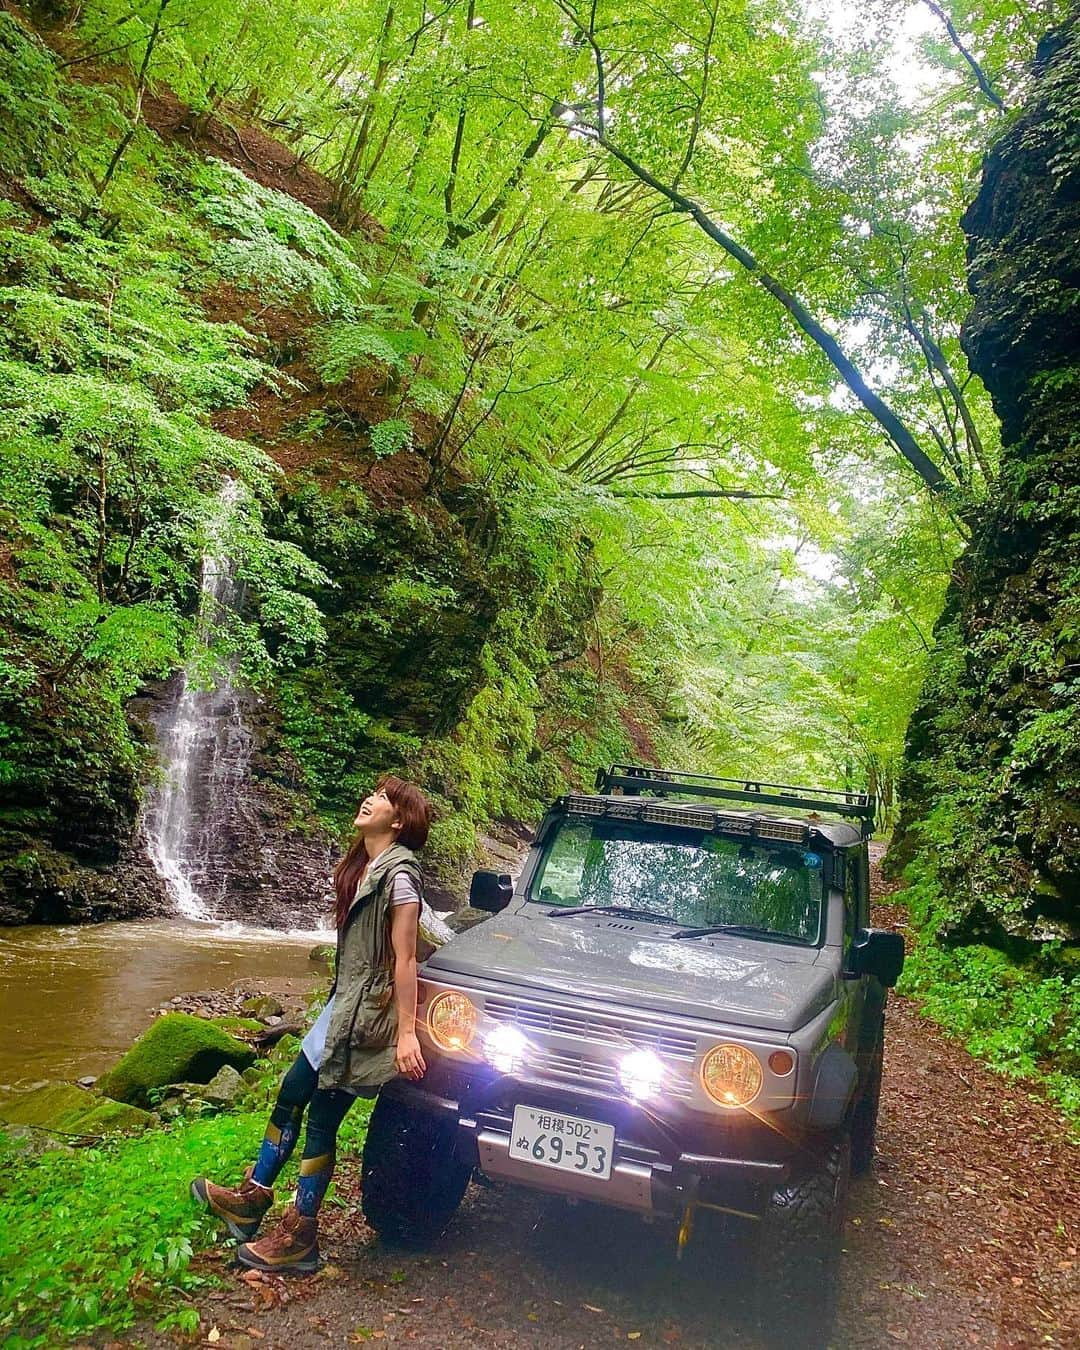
[72, 999]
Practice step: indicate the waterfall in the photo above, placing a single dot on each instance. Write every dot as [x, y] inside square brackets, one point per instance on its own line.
[195, 818]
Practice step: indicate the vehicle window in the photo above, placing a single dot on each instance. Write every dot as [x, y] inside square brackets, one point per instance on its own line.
[693, 878]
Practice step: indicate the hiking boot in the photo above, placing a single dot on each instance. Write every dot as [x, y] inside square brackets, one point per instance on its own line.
[241, 1210]
[292, 1246]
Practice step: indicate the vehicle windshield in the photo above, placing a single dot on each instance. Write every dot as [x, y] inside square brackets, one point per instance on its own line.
[693, 878]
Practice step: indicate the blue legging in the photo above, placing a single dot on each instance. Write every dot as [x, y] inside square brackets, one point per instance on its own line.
[326, 1108]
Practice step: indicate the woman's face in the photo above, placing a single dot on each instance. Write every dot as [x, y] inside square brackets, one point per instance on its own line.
[377, 814]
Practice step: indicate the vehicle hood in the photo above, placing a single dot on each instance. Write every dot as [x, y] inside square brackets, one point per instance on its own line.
[723, 978]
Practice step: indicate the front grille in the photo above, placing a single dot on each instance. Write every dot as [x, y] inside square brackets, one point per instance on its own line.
[559, 1066]
[595, 1028]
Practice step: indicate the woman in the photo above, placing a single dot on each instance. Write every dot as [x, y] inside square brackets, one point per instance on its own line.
[364, 1036]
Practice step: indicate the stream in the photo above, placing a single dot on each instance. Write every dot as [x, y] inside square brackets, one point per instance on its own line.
[73, 998]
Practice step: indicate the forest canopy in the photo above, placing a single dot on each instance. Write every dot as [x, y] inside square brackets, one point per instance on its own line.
[610, 353]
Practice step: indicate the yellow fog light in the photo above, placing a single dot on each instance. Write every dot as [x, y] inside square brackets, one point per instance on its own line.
[451, 1019]
[731, 1075]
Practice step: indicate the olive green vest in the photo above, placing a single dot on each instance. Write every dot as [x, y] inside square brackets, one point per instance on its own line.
[361, 1039]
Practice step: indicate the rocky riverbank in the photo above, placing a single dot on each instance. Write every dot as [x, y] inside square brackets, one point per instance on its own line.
[204, 1052]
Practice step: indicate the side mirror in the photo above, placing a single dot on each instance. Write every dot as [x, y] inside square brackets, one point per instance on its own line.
[878, 953]
[492, 891]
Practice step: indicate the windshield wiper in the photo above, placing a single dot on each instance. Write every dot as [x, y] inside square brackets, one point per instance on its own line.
[626, 911]
[740, 929]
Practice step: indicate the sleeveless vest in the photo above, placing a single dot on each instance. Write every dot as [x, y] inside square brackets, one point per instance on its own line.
[361, 1039]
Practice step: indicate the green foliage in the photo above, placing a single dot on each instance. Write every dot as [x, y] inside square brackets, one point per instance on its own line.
[388, 437]
[32, 119]
[1023, 1018]
[341, 348]
[274, 245]
[129, 1203]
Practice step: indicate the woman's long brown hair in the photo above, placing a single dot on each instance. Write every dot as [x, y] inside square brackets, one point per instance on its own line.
[413, 812]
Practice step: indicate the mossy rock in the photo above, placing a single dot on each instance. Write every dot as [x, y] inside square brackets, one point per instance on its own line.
[178, 1048]
[64, 1109]
[325, 954]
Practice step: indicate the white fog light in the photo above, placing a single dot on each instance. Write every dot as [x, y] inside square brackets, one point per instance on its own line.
[641, 1074]
[504, 1049]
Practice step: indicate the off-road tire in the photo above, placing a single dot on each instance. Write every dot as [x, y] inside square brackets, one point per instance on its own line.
[864, 1117]
[412, 1183]
[799, 1244]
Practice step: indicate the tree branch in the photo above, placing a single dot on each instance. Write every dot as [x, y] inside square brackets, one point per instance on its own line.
[734, 494]
[980, 75]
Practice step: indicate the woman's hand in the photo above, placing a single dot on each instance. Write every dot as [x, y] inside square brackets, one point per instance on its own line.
[408, 1060]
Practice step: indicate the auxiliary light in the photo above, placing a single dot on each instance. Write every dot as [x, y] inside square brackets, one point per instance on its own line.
[504, 1048]
[641, 1074]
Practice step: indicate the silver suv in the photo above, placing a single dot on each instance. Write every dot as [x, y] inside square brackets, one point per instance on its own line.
[680, 1007]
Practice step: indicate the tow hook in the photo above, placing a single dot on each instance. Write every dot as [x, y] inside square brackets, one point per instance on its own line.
[691, 1206]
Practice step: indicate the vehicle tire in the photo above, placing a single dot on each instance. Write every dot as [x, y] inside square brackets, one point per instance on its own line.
[412, 1183]
[798, 1260]
[864, 1117]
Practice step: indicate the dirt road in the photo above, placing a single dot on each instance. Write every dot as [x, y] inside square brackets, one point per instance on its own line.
[964, 1234]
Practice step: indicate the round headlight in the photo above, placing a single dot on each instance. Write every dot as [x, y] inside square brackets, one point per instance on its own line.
[451, 1019]
[731, 1075]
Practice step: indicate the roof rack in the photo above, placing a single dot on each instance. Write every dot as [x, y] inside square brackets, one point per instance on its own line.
[632, 779]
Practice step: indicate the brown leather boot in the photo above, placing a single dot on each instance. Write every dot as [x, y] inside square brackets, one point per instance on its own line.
[241, 1210]
[292, 1246]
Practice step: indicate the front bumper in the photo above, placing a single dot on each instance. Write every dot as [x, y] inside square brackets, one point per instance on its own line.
[652, 1171]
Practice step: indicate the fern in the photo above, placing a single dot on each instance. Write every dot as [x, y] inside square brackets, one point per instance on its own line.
[275, 245]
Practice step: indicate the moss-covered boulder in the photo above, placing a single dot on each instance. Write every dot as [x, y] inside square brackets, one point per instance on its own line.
[64, 1109]
[178, 1048]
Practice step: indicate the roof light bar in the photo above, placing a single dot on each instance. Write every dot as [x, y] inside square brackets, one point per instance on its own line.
[633, 779]
[678, 815]
[794, 832]
[585, 806]
[643, 808]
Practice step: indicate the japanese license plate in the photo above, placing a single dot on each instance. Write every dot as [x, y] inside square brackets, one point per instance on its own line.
[566, 1142]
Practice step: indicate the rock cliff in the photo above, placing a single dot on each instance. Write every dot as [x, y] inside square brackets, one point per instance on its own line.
[992, 781]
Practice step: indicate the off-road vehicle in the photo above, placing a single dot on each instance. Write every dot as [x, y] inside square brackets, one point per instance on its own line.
[680, 1006]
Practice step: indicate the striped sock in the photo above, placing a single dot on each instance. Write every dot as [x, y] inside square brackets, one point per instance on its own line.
[315, 1174]
[276, 1148]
